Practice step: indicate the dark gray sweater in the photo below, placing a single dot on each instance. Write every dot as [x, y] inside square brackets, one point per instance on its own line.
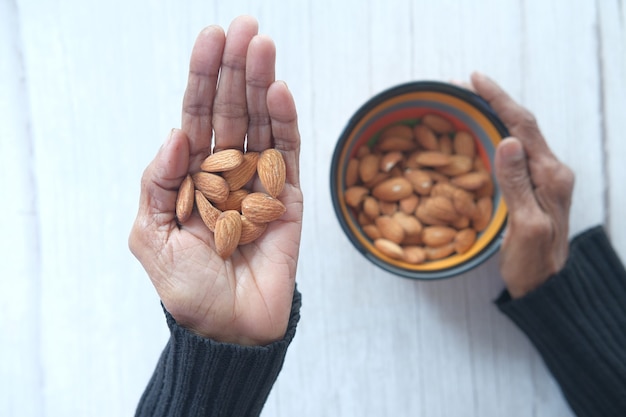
[576, 320]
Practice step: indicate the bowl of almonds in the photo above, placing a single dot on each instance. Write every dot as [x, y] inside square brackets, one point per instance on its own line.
[412, 180]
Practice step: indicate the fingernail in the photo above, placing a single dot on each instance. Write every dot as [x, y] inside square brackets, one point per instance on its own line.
[512, 150]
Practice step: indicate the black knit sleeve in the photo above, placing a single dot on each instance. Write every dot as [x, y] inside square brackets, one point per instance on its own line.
[577, 322]
[196, 376]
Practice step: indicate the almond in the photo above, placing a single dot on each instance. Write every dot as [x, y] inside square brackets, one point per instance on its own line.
[436, 236]
[238, 177]
[441, 208]
[272, 171]
[387, 207]
[227, 233]
[368, 167]
[433, 159]
[464, 240]
[439, 252]
[423, 215]
[212, 186]
[396, 143]
[464, 144]
[414, 254]
[352, 172]
[208, 213]
[420, 180]
[482, 215]
[371, 207]
[409, 204]
[185, 199]
[262, 208]
[471, 180]
[250, 231]
[355, 195]
[224, 160]
[398, 130]
[372, 231]
[233, 202]
[445, 145]
[390, 229]
[437, 123]
[390, 160]
[426, 137]
[459, 164]
[389, 248]
[393, 189]
[409, 224]
[463, 202]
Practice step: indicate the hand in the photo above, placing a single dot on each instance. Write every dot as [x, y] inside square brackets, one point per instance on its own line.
[537, 189]
[245, 299]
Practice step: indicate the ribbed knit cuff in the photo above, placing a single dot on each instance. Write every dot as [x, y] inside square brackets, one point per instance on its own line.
[196, 376]
[577, 322]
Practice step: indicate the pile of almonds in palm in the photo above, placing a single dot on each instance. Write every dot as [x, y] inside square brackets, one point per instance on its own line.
[235, 214]
[420, 192]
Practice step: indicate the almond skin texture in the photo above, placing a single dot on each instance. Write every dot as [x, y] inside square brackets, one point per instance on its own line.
[272, 171]
[437, 123]
[390, 229]
[208, 213]
[185, 199]
[368, 167]
[393, 189]
[439, 252]
[471, 181]
[436, 236]
[414, 254]
[464, 240]
[355, 195]
[432, 159]
[398, 130]
[222, 161]
[250, 231]
[227, 233]
[352, 172]
[233, 202]
[262, 208]
[238, 177]
[212, 186]
[387, 247]
[463, 144]
[426, 138]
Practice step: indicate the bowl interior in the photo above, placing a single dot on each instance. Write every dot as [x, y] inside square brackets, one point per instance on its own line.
[407, 104]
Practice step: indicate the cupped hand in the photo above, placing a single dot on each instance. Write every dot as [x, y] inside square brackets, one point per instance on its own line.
[232, 96]
[537, 189]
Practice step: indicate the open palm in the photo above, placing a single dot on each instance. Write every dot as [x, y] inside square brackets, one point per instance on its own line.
[232, 97]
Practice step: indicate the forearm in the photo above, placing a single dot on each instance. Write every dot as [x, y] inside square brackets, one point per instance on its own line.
[200, 377]
[577, 322]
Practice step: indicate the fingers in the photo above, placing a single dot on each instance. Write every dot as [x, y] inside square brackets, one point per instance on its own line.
[159, 188]
[230, 111]
[513, 177]
[162, 178]
[520, 122]
[260, 74]
[204, 67]
[284, 121]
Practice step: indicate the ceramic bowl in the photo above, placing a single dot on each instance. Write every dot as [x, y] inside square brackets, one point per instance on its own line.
[408, 104]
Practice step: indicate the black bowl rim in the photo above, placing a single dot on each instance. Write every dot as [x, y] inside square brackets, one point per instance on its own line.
[440, 87]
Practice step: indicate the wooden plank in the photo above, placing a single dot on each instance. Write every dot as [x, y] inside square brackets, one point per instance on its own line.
[369, 343]
[20, 293]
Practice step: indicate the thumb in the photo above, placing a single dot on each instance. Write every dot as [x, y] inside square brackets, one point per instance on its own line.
[511, 168]
[162, 178]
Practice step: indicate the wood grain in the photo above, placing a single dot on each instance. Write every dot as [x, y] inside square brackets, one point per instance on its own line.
[90, 90]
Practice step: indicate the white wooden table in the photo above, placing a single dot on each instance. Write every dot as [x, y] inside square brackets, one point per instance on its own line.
[88, 91]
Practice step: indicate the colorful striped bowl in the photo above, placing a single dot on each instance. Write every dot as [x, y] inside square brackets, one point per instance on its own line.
[407, 103]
